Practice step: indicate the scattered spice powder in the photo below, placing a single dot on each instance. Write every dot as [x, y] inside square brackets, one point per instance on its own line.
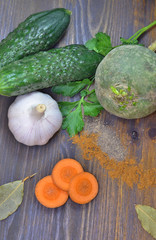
[129, 171]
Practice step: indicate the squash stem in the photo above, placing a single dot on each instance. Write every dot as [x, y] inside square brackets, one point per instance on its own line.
[141, 31]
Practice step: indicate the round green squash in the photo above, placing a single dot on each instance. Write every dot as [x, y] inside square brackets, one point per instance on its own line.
[125, 82]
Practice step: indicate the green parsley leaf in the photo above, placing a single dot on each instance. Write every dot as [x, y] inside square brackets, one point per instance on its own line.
[67, 107]
[84, 93]
[92, 97]
[91, 109]
[91, 44]
[103, 44]
[71, 88]
[100, 44]
[74, 123]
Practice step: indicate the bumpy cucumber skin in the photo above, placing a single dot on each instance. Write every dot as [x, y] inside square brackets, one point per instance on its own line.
[47, 69]
[38, 32]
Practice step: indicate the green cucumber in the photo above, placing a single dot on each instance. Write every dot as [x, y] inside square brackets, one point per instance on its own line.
[48, 68]
[38, 32]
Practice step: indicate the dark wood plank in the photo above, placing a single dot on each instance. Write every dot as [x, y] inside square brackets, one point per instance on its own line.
[111, 216]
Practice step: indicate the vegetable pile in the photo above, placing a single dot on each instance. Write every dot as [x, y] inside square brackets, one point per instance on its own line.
[71, 70]
[124, 85]
[88, 105]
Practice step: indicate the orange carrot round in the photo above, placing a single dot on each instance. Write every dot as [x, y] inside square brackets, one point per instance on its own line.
[48, 194]
[64, 171]
[83, 188]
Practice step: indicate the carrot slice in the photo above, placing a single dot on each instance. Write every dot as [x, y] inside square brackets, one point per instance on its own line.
[83, 188]
[48, 194]
[64, 171]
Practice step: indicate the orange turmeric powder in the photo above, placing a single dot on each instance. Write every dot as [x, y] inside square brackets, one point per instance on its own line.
[129, 171]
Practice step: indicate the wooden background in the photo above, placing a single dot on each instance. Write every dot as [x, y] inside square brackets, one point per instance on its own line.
[111, 216]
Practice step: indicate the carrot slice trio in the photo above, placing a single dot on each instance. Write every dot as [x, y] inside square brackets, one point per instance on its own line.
[67, 179]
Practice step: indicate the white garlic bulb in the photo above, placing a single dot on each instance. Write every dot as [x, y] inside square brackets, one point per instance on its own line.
[34, 118]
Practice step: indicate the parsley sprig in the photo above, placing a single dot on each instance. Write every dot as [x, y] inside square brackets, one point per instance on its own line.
[102, 42]
[73, 112]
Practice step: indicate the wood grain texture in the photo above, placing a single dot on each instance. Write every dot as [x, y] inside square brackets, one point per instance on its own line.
[111, 216]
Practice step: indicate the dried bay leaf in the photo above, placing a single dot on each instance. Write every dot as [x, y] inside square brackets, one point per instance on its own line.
[147, 217]
[11, 196]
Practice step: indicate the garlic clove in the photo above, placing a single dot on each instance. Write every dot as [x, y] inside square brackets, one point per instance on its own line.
[34, 118]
